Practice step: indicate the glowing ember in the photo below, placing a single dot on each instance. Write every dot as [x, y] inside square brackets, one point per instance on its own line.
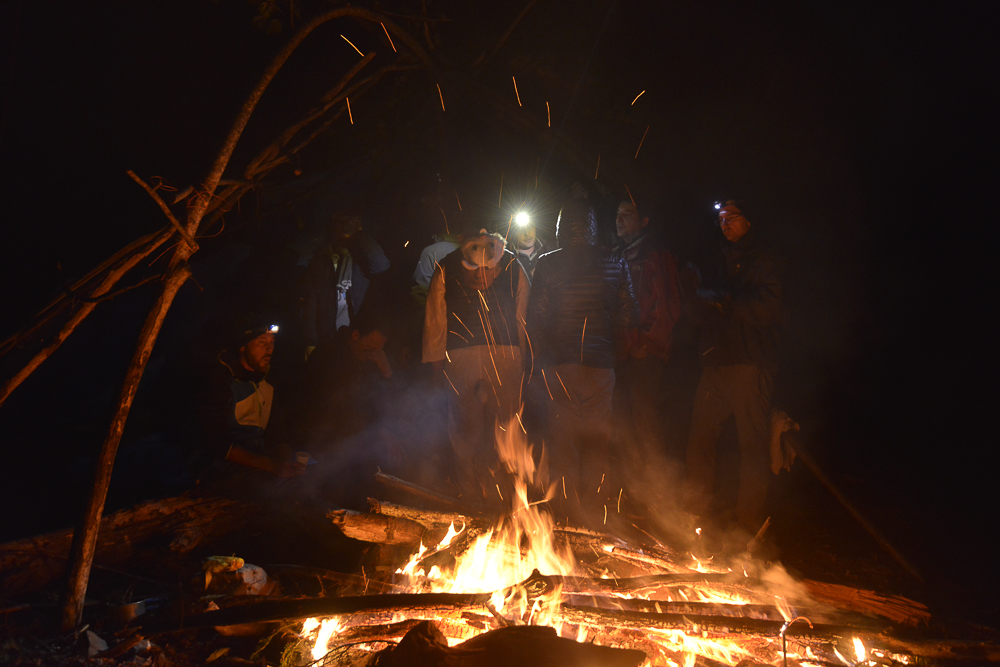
[859, 650]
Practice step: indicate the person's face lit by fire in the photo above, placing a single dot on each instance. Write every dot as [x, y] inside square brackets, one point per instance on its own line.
[630, 226]
[256, 355]
[733, 223]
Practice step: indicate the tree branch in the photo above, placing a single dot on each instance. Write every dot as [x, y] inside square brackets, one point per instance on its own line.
[166, 210]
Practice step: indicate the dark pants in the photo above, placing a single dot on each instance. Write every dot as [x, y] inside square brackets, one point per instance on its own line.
[639, 409]
[742, 392]
[579, 430]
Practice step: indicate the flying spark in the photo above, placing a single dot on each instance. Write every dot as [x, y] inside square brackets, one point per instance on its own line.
[637, 97]
[390, 38]
[640, 142]
[517, 93]
[349, 114]
[620, 500]
[598, 170]
[548, 112]
[406, 244]
[563, 386]
[449, 381]
[354, 47]
[551, 397]
[446, 231]
[499, 201]
[440, 95]
[629, 193]
[458, 200]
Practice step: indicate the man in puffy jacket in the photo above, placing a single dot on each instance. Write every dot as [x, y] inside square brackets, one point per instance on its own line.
[581, 296]
[645, 350]
[740, 316]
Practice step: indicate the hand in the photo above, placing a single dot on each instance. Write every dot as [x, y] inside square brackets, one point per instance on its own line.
[288, 469]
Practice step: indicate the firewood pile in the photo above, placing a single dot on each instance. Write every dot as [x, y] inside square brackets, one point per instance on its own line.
[621, 603]
[608, 601]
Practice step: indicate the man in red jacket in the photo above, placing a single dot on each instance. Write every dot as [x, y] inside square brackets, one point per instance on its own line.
[645, 350]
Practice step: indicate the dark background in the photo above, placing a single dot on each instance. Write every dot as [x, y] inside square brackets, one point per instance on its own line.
[865, 135]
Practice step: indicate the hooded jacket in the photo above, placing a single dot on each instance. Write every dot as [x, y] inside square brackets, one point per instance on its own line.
[581, 295]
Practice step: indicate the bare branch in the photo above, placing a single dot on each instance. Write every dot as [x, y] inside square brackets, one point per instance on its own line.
[503, 38]
[166, 211]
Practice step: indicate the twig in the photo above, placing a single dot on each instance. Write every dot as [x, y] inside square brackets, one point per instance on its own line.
[503, 38]
[166, 211]
[111, 295]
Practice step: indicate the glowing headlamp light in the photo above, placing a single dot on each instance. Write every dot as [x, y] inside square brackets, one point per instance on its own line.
[273, 328]
[522, 219]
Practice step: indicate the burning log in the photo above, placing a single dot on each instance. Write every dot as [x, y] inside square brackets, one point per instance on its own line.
[291, 609]
[894, 607]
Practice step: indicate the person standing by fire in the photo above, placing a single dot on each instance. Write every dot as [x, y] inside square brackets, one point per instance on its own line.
[477, 297]
[581, 296]
[645, 350]
[337, 278]
[740, 314]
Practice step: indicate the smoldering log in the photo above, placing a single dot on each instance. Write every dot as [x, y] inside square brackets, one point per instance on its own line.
[894, 607]
[537, 646]
[429, 518]
[290, 609]
[378, 528]
[32, 563]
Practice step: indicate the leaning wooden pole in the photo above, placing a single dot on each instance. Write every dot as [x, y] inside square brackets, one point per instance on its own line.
[85, 536]
[81, 553]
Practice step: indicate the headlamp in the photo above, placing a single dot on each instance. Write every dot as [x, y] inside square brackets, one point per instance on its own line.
[522, 219]
[273, 328]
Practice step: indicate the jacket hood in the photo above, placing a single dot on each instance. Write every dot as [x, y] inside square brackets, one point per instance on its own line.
[577, 225]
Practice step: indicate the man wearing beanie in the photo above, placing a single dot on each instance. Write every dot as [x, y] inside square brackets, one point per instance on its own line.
[740, 315]
[232, 413]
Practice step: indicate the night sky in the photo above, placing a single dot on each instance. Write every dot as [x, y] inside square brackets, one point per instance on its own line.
[866, 135]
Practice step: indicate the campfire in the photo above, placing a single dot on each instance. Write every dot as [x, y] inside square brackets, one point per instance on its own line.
[525, 587]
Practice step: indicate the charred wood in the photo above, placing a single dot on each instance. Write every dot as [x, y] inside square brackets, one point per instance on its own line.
[530, 646]
[378, 528]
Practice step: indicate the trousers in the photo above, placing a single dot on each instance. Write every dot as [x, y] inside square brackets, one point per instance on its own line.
[744, 393]
[579, 428]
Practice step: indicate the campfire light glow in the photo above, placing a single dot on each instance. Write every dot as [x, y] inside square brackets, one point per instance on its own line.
[501, 561]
